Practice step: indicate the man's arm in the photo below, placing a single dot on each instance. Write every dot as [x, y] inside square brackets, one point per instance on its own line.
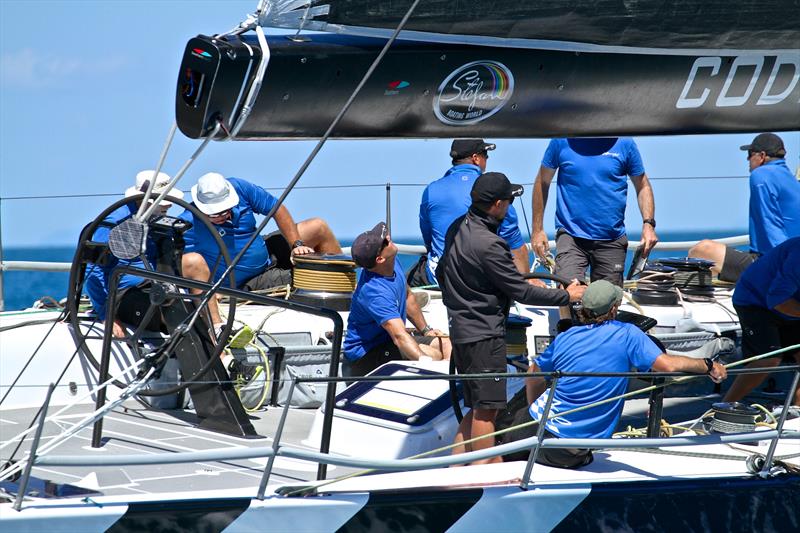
[396, 329]
[424, 221]
[769, 224]
[541, 188]
[535, 386]
[790, 307]
[289, 231]
[521, 260]
[647, 206]
[678, 363]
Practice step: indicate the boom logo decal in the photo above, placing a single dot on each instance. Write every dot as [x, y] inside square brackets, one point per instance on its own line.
[202, 54]
[473, 92]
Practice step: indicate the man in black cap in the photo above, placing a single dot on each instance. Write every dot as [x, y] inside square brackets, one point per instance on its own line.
[376, 326]
[447, 198]
[479, 282]
[774, 209]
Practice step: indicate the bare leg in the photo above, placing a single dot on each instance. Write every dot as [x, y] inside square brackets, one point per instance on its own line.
[316, 234]
[711, 250]
[441, 348]
[744, 383]
[194, 267]
[464, 432]
[483, 424]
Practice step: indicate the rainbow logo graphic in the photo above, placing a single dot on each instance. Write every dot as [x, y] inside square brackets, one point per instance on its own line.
[473, 92]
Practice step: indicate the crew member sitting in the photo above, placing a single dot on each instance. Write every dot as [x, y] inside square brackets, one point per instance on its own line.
[767, 301]
[376, 327]
[774, 209]
[600, 344]
[231, 205]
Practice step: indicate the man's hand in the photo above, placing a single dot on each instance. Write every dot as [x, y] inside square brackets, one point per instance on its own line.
[575, 290]
[718, 373]
[540, 245]
[538, 283]
[649, 239]
[118, 330]
[435, 333]
[302, 250]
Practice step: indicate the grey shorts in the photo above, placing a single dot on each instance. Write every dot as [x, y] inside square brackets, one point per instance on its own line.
[735, 264]
[605, 258]
[272, 277]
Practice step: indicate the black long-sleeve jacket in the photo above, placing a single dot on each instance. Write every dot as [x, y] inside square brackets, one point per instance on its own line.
[479, 280]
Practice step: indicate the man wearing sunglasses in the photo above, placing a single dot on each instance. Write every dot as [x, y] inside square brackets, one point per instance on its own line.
[447, 198]
[479, 283]
[231, 205]
[382, 301]
[774, 209]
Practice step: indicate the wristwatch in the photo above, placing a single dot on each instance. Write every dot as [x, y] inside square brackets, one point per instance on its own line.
[298, 243]
[650, 221]
[709, 365]
[425, 330]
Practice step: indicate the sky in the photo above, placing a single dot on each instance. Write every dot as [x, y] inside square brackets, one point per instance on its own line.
[87, 99]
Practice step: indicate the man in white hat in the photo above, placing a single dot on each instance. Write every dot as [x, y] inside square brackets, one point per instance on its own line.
[231, 205]
[133, 301]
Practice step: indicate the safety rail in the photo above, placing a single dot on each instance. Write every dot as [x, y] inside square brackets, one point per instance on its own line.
[419, 462]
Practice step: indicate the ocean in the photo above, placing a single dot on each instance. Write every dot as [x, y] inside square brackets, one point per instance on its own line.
[23, 288]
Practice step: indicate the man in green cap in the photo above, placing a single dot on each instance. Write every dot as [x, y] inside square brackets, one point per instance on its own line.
[599, 344]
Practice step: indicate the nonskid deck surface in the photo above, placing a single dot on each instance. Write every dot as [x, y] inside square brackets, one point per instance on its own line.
[135, 429]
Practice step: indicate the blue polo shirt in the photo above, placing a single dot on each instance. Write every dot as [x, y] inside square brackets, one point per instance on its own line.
[772, 279]
[445, 200]
[97, 277]
[235, 233]
[376, 300]
[593, 184]
[774, 206]
[607, 347]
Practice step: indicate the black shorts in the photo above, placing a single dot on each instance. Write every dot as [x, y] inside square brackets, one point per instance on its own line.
[134, 303]
[487, 356]
[735, 264]
[417, 276]
[605, 258]
[381, 354]
[765, 331]
[558, 457]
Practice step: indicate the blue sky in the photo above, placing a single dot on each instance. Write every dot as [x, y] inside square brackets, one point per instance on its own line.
[87, 98]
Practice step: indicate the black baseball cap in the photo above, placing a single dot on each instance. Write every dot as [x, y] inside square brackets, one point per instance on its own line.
[769, 143]
[368, 245]
[493, 186]
[462, 148]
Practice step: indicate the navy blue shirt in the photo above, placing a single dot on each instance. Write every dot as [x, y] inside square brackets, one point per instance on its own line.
[592, 184]
[445, 200]
[607, 347]
[772, 279]
[376, 300]
[96, 283]
[235, 233]
[774, 206]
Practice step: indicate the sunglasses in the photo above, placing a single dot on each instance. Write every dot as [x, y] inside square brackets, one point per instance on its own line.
[221, 214]
[750, 154]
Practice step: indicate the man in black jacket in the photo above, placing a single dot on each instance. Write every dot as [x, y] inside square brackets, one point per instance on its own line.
[479, 282]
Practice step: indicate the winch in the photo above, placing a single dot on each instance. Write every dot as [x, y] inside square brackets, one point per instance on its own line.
[733, 417]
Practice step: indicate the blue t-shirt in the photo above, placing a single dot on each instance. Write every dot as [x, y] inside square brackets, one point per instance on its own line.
[97, 277]
[772, 279]
[376, 300]
[607, 347]
[235, 233]
[774, 206]
[445, 200]
[593, 184]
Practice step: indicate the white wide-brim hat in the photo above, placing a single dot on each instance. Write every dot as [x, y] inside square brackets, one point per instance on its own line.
[214, 194]
[143, 182]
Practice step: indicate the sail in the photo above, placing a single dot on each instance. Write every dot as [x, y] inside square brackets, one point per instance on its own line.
[676, 24]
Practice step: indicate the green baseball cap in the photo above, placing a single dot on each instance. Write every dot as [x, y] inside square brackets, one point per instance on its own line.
[600, 296]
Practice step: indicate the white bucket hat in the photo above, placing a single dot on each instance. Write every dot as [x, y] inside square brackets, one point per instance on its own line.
[143, 182]
[214, 194]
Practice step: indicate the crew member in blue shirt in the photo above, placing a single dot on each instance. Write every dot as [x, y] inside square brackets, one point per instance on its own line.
[590, 205]
[774, 209]
[133, 302]
[231, 205]
[600, 344]
[767, 300]
[376, 327]
[448, 198]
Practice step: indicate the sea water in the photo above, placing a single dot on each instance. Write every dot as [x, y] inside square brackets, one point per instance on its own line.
[23, 288]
